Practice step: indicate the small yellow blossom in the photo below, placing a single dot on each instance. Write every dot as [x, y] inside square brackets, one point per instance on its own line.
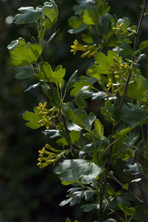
[89, 50]
[77, 47]
[49, 155]
[119, 27]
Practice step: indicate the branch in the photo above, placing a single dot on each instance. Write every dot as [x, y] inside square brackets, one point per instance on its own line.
[134, 49]
[119, 110]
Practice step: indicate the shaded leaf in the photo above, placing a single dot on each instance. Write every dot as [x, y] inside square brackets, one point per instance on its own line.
[129, 211]
[74, 136]
[83, 94]
[90, 207]
[76, 169]
[132, 169]
[132, 114]
[90, 16]
[28, 15]
[25, 72]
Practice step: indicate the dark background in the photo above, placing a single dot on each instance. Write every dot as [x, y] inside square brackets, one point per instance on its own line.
[28, 194]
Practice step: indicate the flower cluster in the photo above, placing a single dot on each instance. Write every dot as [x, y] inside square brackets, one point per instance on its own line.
[48, 115]
[119, 71]
[89, 50]
[49, 155]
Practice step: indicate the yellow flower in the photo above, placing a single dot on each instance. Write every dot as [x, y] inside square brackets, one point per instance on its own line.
[77, 47]
[89, 50]
[49, 155]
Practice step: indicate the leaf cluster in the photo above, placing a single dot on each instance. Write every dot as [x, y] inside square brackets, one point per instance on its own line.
[92, 149]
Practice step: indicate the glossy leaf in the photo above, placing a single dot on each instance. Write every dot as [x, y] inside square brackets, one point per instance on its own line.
[28, 15]
[132, 169]
[71, 80]
[77, 169]
[51, 133]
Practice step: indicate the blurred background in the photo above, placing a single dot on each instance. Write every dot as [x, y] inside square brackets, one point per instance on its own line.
[28, 194]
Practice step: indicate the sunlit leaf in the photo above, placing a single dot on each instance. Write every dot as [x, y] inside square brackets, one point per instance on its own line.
[24, 54]
[32, 118]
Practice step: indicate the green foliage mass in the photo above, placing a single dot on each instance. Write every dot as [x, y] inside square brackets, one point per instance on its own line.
[86, 154]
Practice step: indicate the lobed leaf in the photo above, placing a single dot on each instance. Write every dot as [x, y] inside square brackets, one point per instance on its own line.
[77, 169]
[24, 54]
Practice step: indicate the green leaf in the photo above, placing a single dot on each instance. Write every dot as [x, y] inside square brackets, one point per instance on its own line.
[71, 80]
[132, 169]
[80, 29]
[83, 94]
[75, 22]
[110, 220]
[50, 10]
[24, 54]
[48, 75]
[109, 111]
[132, 114]
[90, 16]
[25, 72]
[137, 89]
[90, 207]
[28, 15]
[77, 169]
[99, 95]
[32, 87]
[32, 118]
[128, 211]
[122, 133]
[62, 142]
[125, 49]
[106, 23]
[81, 118]
[84, 81]
[105, 61]
[74, 136]
[141, 213]
[142, 46]
[51, 133]
[99, 129]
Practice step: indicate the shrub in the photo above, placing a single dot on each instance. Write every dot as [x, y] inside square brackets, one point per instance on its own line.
[96, 123]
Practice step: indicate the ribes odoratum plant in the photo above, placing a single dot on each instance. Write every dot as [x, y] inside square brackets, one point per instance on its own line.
[94, 148]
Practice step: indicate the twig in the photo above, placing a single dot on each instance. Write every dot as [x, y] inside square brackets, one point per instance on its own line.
[115, 179]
